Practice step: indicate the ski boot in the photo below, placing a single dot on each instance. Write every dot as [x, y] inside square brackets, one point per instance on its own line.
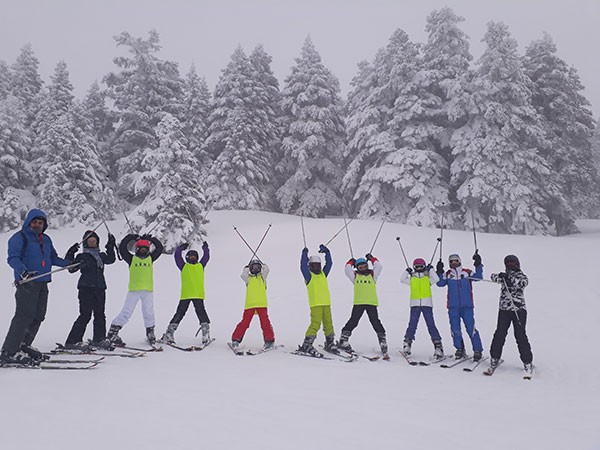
[150, 337]
[17, 358]
[343, 343]
[494, 362]
[103, 344]
[382, 343]
[235, 344]
[477, 356]
[460, 353]
[78, 346]
[113, 336]
[438, 350]
[308, 347]
[205, 327]
[34, 353]
[330, 344]
[168, 336]
[269, 345]
[406, 346]
[528, 369]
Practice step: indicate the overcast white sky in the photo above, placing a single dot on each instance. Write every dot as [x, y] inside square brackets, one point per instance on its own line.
[81, 32]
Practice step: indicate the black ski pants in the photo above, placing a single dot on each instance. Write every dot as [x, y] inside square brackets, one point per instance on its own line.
[32, 301]
[183, 306]
[91, 301]
[518, 319]
[357, 312]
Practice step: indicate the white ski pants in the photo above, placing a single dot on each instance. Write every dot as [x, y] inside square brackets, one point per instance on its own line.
[147, 298]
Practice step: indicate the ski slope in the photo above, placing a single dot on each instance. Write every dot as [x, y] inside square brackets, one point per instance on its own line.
[213, 399]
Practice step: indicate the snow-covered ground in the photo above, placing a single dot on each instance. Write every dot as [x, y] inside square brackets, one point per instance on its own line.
[213, 399]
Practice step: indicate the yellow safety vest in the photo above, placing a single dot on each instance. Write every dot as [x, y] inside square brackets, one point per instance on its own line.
[192, 281]
[365, 292]
[420, 288]
[140, 274]
[256, 293]
[318, 290]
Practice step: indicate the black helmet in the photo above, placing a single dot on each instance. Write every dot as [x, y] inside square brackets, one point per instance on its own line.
[190, 254]
[512, 262]
[255, 267]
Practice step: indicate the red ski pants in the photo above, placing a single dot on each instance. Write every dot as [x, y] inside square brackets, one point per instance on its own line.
[265, 323]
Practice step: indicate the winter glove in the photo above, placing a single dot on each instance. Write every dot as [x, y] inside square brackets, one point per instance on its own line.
[184, 246]
[409, 270]
[204, 244]
[428, 267]
[351, 261]
[439, 268]
[504, 278]
[476, 259]
[147, 237]
[369, 257]
[73, 249]
[27, 274]
[111, 239]
[323, 249]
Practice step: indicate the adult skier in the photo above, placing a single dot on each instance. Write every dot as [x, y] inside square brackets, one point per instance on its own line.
[192, 291]
[255, 276]
[141, 285]
[92, 290]
[512, 310]
[30, 253]
[365, 299]
[420, 279]
[319, 300]
[460, 302]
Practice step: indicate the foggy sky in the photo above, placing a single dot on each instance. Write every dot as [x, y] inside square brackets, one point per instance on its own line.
[80, 32]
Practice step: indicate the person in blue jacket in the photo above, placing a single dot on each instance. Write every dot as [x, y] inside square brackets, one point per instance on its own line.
[460, 302]
[30, 252]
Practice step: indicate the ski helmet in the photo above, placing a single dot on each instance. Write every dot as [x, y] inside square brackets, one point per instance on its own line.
[454, 260]
[314, 264]
[419, 264]
[191, 254]
[362, 266]
[142, 247]
[255, 266]
[512, 262]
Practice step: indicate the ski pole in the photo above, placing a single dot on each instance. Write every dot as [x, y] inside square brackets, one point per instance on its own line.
[129, 223]
[243, 240]
[378, 233]
[474, 234]
[60, 269]
[115, 245]
[207, 211]
[441, 232]
[336, 234]
[91, 232]
[153, 228]
[303, 235]
[403, 254]
[261, 241]
[434, 250]
[348, 236]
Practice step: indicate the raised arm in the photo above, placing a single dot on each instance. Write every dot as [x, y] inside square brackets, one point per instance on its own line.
[123, 247]
[205, 254]
[158, 248]
[178, 258]
[304, 265]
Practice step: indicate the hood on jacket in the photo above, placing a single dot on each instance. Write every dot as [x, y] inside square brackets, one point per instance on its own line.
[88, 234]
[32, 215]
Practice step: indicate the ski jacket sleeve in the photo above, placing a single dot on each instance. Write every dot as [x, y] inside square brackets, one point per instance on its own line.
[349, 271]
[377, 268]
[405, 277]
[205, 255]
[178, 258]
[127, 257]
[245, 274]
[328, 263]
[518, 278]
[158, 249]
[304, 266]
[443, 281]
[77, 259]
[478, 274]
[108, 257]
[433, 277]
[265, 271]
[15, 259]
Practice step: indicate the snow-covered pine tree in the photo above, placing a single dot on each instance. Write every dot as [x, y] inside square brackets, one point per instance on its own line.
[10, 209]
[14, 142]
[143, 90]
[26, 82]
[241, 175]
[175, 207]
[314, 133]
[101, 119]
[4, 80]
[497, 170]
[558, 98]
[195, 119]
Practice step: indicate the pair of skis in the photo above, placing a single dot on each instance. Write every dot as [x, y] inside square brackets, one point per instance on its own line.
[61, 350]
[469, 368]
[241, 352]
[191, 348]
[490, 371]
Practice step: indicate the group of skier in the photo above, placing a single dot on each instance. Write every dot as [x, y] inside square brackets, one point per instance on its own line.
[31, 255]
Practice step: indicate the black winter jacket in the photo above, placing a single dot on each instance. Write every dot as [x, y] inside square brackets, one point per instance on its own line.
[91, 274]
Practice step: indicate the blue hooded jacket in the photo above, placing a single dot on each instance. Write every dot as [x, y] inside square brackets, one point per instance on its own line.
[460, 285]
[28, 251]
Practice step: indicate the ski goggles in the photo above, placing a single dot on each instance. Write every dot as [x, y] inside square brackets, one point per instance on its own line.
[511, 263]
[419, 266]
[454, 261]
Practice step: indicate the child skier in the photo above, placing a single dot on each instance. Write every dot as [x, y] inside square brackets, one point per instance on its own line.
[92, 290]
[511, 310]
[141, 285]
[192, 290]
[420, 278]
[365, 299]
[255, 276]
[460, 302]
[319, 300]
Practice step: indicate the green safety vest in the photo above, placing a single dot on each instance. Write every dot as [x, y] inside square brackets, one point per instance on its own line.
[420, 288]
[365, 292]
[192, 281]
[140, 274]
[318, 290]
[256, 292]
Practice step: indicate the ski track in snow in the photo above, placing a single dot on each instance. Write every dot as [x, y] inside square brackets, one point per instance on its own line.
[213, 399]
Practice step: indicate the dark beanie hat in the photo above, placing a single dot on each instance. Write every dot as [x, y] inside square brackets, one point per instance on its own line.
[88, 234]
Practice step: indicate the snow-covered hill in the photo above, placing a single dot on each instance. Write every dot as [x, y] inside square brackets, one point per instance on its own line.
[213, 399]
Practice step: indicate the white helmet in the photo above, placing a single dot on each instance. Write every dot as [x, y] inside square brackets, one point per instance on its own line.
[314, 259]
